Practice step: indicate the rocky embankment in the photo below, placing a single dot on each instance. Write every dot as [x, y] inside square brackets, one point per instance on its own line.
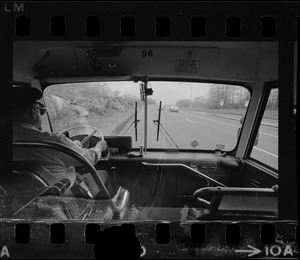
[110, 114]
[58, 107]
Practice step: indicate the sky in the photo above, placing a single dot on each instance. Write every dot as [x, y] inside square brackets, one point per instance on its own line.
[167, 92]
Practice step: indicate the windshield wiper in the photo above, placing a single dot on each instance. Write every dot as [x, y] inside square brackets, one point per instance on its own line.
[158, 121]
[135, 122]
[159, 130]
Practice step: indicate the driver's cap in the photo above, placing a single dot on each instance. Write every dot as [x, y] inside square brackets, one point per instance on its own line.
[25, 95]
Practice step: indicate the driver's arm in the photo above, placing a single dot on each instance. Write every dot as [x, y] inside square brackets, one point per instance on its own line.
[92, 154]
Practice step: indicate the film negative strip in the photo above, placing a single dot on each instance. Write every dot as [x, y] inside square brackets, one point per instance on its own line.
[148, 129]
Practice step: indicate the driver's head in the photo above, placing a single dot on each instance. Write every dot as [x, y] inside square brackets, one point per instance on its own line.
[26, 107]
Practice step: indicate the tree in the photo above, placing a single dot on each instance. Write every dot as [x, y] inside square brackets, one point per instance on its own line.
[199, 101]
[183, 103]
[232, 96]
[116, 93]
[214, 97]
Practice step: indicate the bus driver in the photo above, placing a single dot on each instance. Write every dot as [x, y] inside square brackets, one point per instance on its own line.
[27, 114]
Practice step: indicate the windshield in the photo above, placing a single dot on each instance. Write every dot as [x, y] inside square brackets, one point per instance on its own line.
[180, 115]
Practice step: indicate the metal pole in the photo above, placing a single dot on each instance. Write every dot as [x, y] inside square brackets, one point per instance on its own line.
[146, 119]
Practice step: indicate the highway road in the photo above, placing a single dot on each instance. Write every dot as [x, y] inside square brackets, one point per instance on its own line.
[202, 130]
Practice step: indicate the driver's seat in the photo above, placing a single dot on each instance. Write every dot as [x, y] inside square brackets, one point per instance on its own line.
[118, 204]
[24, 186]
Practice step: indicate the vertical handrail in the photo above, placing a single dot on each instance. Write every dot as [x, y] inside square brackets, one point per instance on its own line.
[146, 117]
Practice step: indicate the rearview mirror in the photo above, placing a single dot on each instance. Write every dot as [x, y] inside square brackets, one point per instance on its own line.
[142, 91]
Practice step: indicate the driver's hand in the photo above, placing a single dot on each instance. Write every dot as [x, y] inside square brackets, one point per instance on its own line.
[101, 145]
[78, 143]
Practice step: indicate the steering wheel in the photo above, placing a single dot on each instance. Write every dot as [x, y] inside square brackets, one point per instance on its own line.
[95, 129]
[105, 154]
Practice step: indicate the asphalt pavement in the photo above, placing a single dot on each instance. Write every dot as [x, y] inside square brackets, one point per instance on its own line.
[204, 130]
[266, 122]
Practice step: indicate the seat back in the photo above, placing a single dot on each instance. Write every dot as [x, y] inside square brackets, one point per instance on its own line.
[17, 189]
[38, 171]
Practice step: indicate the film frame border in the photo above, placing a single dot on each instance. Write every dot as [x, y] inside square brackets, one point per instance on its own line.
[214, 28]
[215, 244]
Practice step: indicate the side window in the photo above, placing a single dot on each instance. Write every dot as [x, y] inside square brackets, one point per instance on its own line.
[266, 150]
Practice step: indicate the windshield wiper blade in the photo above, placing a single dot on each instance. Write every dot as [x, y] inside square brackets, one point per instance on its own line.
[169, 136]
[159, 130]
[158, 121]
[155, 121]
[135, 122]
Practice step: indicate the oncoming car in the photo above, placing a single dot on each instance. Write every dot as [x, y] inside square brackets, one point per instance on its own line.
[174, 109]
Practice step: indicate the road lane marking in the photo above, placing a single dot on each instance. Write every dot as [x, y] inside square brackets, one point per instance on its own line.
[213, 120]
[190, 121]
[235, 126]
[265, 152]
[220, 122]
